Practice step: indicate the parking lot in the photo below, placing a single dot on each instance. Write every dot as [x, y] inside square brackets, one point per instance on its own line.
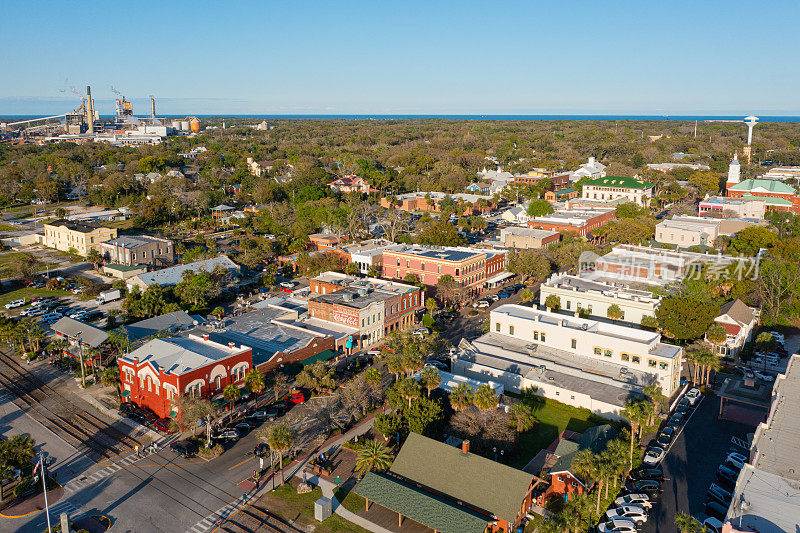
[690, 465]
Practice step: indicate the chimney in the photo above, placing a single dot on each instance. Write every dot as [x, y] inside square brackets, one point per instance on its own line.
[152, 106]
[231, 345]
[465, 446]
[591, 160]
[89, 110]
[205, 336]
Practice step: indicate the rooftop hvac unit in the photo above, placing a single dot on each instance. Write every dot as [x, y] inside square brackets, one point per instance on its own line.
[584, 327]
[530, 348]
[347, 297]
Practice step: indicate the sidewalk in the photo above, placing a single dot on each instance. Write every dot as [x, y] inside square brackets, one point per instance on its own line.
[32, 505]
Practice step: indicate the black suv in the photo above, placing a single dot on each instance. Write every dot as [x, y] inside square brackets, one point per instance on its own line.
[185, 448]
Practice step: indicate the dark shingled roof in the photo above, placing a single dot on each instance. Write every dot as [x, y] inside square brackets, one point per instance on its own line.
[595, 439]
[419, 505]
[482, 483]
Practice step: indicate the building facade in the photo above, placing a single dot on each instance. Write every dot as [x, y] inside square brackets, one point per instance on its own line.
[721, 206]
[613, 187]
[739, 322]
[583, 222]
[132, 250]
[595, 297]
[528, 238]
[162, 370]
[472, 204]
[558, 180]
[350, 183]
[82, 237]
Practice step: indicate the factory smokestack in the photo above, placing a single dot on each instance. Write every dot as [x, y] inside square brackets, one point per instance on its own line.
[89, 110]
[152, 106]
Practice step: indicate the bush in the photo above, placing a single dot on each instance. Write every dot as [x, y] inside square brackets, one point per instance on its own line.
[211, 453]
[23, 487]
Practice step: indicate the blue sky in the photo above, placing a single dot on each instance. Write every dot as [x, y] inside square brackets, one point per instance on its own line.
[326, 57]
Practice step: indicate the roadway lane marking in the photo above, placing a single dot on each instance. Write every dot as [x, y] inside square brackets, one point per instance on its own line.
[240, 463]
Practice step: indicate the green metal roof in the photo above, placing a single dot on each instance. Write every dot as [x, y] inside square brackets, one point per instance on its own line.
[619, 181]
[765, 185]
[564, 191]
[321, 356]
[419, 505]
[482, 483]
[769, 200]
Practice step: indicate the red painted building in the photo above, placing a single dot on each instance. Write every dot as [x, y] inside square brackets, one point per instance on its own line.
[162, 370]
[582, 222]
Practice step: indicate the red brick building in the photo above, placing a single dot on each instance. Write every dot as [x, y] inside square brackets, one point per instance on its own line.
[469, 268]
[374, 307]
[582, 222]
[162, 370]
[558, 180]
[472, 204]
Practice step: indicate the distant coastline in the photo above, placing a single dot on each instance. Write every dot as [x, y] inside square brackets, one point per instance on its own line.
[508, 118]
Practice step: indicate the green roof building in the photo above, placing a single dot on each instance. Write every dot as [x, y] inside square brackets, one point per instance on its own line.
[430, 480]
[611, 188]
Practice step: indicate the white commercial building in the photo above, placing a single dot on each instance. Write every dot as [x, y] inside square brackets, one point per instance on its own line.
[595, 297]
[368, 254]
[783, 173]
[580, 362]
[613, 187]
[723, 206]
[685, 231]
[592, 169]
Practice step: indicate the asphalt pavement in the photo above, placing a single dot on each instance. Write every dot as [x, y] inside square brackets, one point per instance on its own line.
[691, 464]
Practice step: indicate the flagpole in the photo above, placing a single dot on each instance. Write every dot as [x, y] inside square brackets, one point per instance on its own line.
[44, 486]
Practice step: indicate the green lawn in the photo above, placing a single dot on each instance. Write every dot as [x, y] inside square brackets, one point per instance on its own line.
[28, 293]
[350, 500]
[8, 227]
[552, 418]
[285, 502]
[7, 262]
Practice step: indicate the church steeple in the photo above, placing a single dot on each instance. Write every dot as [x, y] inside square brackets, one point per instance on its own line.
[733, 172]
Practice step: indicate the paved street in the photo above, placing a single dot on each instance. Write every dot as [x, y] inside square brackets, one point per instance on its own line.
[691, 465]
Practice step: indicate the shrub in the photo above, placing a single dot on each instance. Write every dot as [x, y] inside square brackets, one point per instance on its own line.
[211, 453]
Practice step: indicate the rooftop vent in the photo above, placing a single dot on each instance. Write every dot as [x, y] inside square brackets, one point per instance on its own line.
[348, 297]
[584, 327]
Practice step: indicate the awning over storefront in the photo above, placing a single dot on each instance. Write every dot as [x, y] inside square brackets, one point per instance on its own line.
[125, 393]
[499, 278]
[325, 355]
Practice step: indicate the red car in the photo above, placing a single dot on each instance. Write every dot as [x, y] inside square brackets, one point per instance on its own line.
[297, 397]
[164, 425]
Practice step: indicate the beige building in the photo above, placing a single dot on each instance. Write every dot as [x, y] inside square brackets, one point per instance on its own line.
[134, 250]
[81, 236]
[526, 238]
[613, 187]
[685, 231]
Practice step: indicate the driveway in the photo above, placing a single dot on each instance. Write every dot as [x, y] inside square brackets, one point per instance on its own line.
[691, 465]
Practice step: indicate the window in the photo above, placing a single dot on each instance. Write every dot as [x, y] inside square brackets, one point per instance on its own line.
[408, 263]
[569, 303]
[574, 343]
[510, 329]
[636, 359]
[598, 350]
[543, 336]
[663, 366]
[536, 335]
[422, 266]
[625, 357]
[456, 272]
[439, 268]
[497, 326]
[218, 382]
[652, 363]
[608, 353]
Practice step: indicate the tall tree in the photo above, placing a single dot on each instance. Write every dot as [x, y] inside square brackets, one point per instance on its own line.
[485, 399]
[280, 439]
[373, 456]
[461, 396]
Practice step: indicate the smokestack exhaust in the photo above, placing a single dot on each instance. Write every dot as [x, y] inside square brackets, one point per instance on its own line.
[89, 110]
[152, 106]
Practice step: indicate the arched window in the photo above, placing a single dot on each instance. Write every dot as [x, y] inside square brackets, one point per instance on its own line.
[218, 382]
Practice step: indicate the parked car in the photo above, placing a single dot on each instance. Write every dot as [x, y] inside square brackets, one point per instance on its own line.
[653, 455]
[92, 316]
[261, 449]
[735, 460]
[437, 365]
[650, 487]
[727, 474]
[228, 434]
[638, 499]
[127, 408]
[297, 396]
[503, 295]
[717, 493]
[764, 377]
[481, 304]
[712, 525]
[675, 420]
[243, 427]
[13, 304]
[617, 525]
[693, 395]
[716, 510]
[665, 437]
[632, 512]
[164, 425]
[185, 448]
[645, 472]
[287, 284]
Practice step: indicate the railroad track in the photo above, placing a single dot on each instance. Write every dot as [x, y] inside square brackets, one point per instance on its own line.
[256, 519]
[82, 429]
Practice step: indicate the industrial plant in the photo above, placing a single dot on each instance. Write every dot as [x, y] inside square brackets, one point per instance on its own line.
[84, 124]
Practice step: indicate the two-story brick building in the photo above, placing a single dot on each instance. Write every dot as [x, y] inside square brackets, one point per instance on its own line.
[159, 372]
[375, 307]
[470, 268]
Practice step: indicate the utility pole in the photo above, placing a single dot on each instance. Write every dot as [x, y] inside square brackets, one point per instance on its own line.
[80, 354]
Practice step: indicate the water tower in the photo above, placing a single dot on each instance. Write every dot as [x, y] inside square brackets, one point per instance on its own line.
[751, 123]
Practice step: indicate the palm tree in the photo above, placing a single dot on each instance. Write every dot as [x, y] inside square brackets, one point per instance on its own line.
[430, 379]
[231, 393]
[461, 396]
[394, 363]
[373, 376]
[485, 399]
[656, 397]
[591, 467]
[618, 457]
[523, 415]
[373, 456]
[709, 362]
[716, 334]
[255, 380]
[576, 513]
[408, 389]
[634, 412]
[688, 524]
[280, 439]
